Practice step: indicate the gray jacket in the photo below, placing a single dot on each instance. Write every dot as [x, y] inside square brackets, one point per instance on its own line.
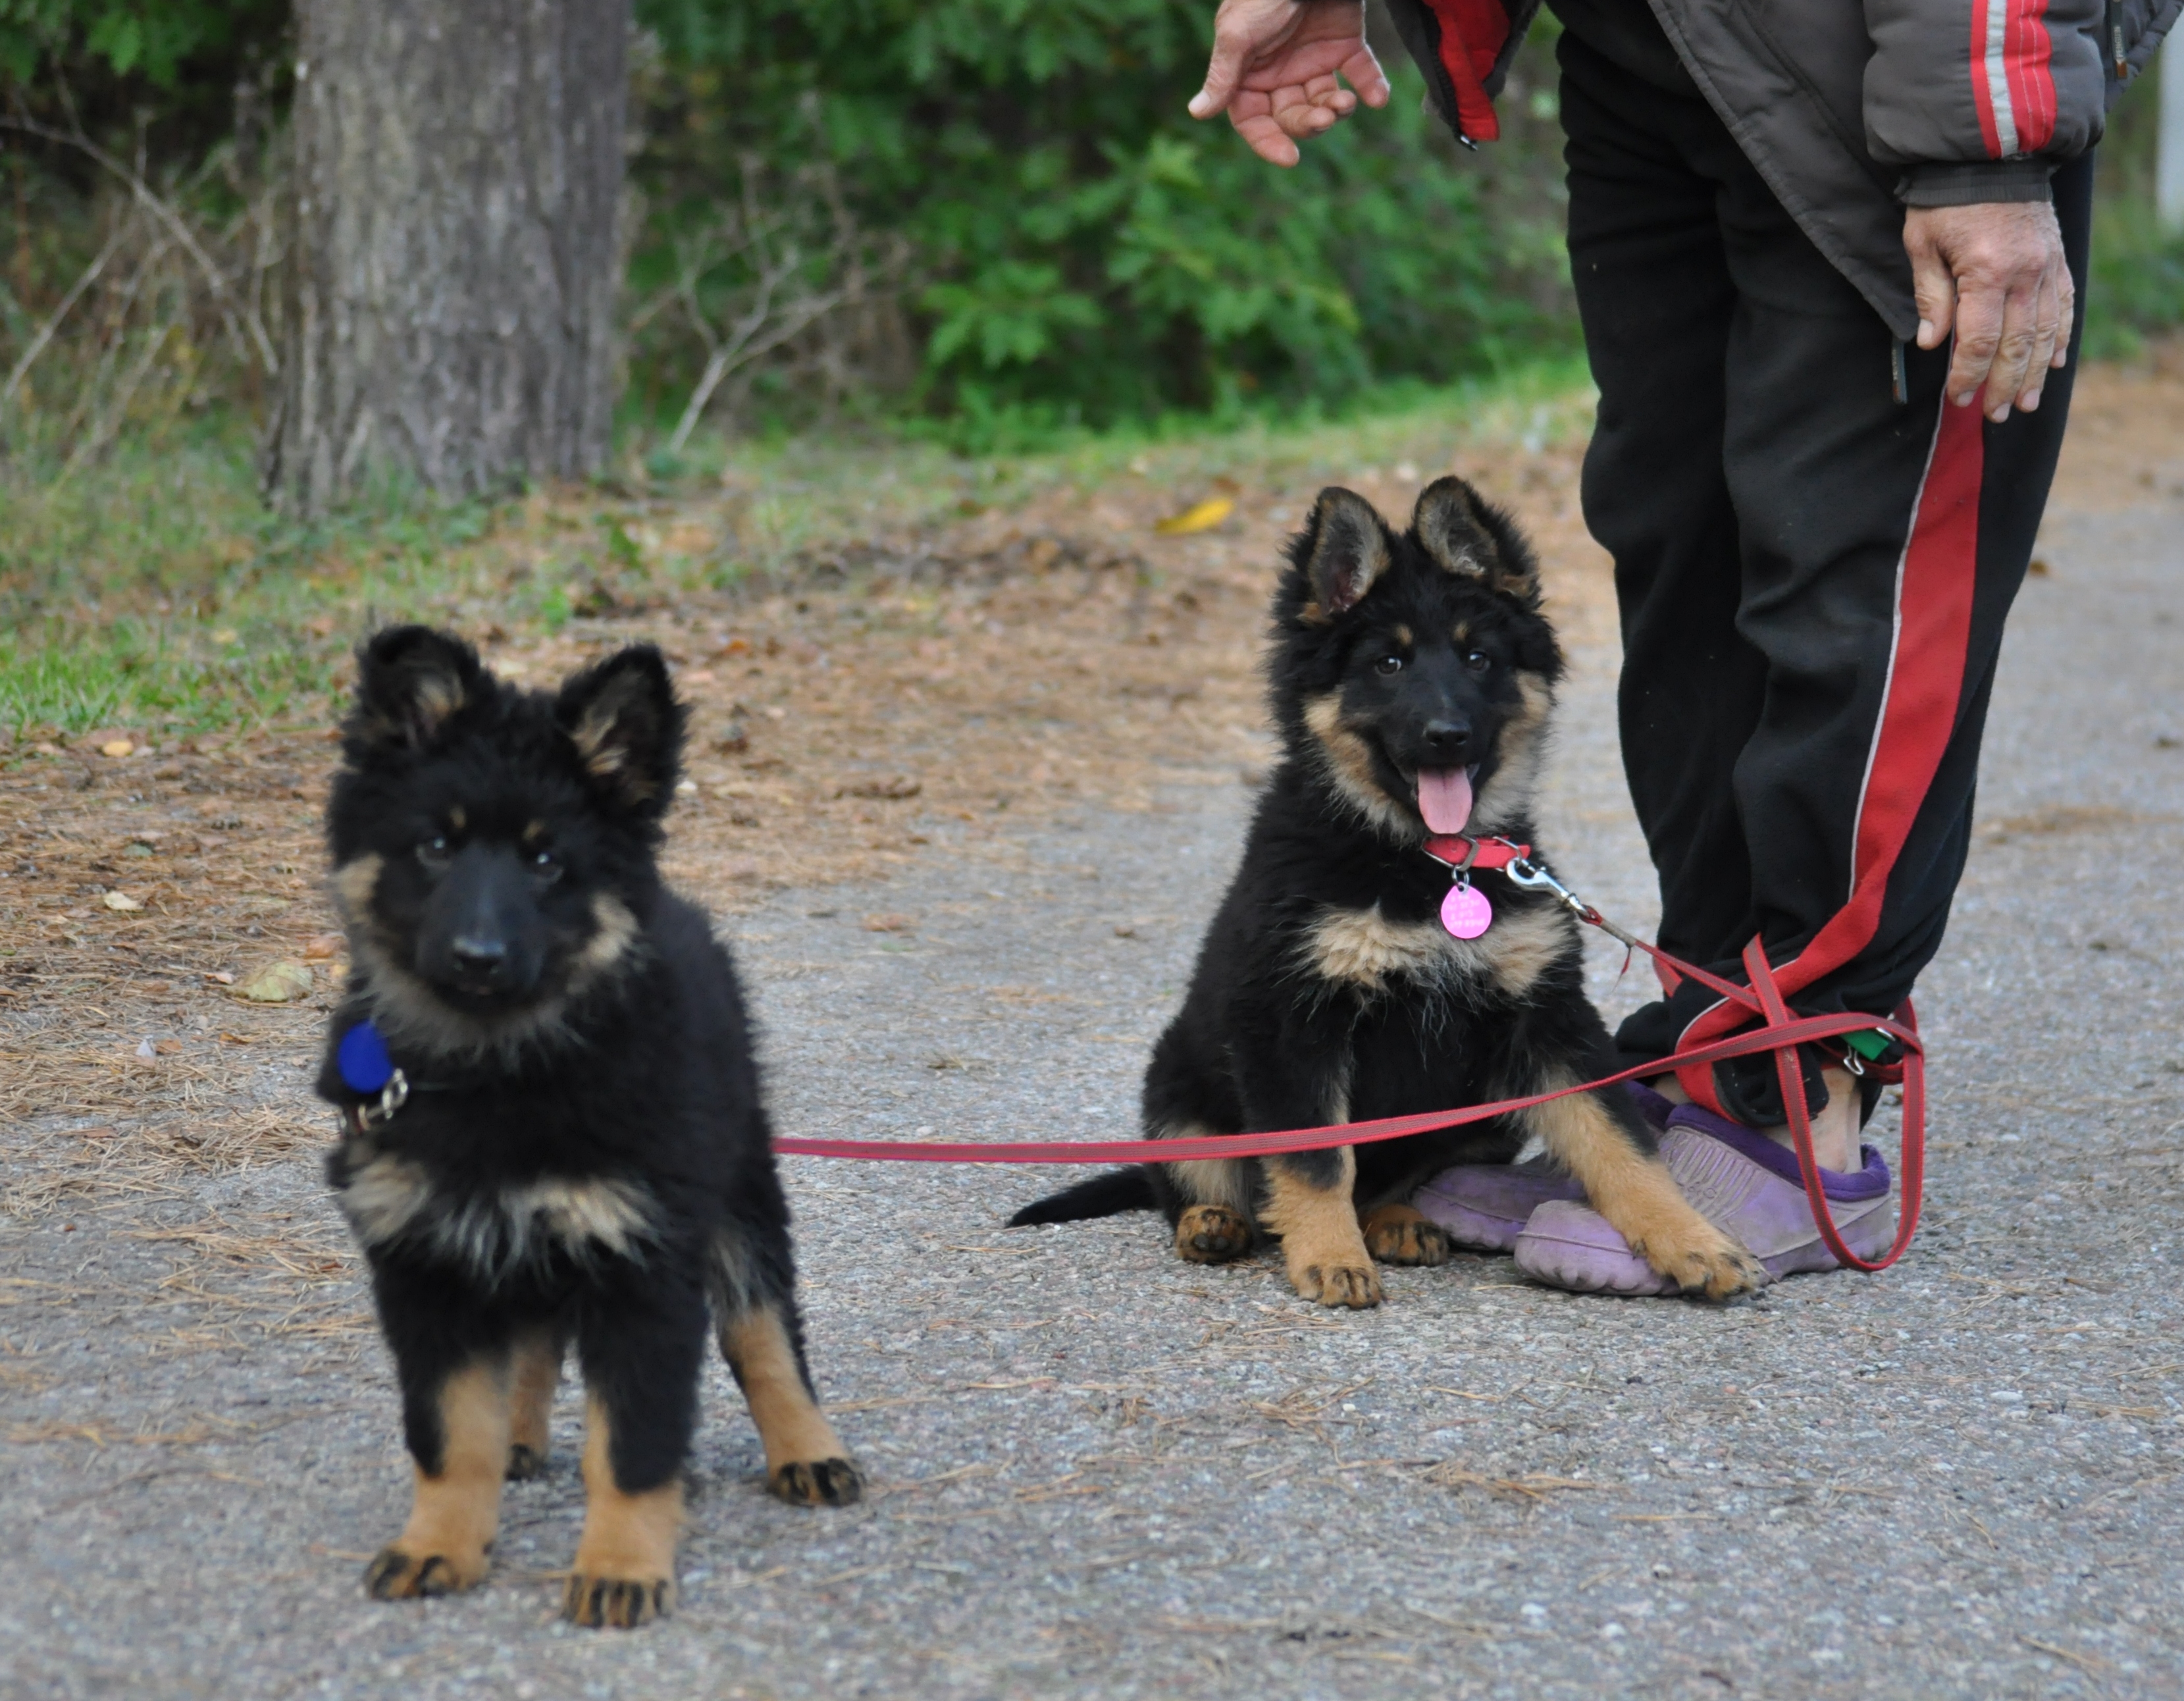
[1853, 111]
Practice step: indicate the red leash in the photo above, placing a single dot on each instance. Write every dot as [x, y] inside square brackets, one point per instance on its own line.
[1780, 1033]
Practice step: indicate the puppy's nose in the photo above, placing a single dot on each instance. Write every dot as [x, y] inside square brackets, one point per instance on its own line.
[1448, 740]
[477, 957]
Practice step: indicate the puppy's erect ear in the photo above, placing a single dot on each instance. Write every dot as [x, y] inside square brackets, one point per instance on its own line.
[410, 683]
[1344, 549]
[621, 717]
[1464, 533]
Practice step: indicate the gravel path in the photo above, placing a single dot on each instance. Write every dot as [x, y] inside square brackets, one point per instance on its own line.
[1101, 1472]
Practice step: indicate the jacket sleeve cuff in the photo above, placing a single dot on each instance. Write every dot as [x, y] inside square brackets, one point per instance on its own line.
[1962, 183]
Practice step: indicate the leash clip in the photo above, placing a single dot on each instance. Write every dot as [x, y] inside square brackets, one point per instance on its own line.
[1534, 877]
[392, 1097]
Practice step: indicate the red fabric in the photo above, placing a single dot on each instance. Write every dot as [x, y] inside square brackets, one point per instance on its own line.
[1982, 91]
[1800, 1030]
[2021, 61]
[1782, 1034]
[2031, 78]
[1801, 1124]
[1471, 35]
[1491, 853]
[1925, 682]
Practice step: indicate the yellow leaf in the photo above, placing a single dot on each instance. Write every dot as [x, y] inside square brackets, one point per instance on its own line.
[277, 983]
[116, 747]
[120, 900]
[1201, 516]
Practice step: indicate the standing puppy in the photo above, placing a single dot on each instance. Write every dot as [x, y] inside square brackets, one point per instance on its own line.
[552, 1128]
[1411, 678]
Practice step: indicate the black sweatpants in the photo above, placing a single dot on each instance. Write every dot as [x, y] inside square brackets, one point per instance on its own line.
[1813, 576]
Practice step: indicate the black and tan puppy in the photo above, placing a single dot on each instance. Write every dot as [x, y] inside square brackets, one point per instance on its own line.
[1411, 677]
[552, 1126]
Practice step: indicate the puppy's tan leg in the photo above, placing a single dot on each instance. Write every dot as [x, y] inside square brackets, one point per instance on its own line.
[1308, 1204]
[624, 1571]
[806, 1463]
[1401, 1234]
[1641, 1199]
[531, 1402]
[1216, 1226]
[443, 1548]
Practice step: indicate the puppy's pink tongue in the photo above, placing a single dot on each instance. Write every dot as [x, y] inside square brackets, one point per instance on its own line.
[1445, 798]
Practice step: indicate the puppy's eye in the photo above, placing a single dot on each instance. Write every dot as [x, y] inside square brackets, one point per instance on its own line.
[1478, 662]
[546, 868]
[1389, 664]
[435, 851]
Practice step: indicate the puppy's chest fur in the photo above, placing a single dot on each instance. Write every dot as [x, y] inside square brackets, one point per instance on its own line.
[1370, 955]
[491, 1229]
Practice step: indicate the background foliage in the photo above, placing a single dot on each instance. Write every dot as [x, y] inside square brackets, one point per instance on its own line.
[987, 219]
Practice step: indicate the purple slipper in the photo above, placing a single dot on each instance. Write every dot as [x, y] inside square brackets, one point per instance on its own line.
[1739, 1180]
[1484, 1207]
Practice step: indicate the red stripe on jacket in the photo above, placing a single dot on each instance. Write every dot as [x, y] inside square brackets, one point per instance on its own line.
[1471, 35]
[1982, 92]
[1935, 582]
[2027, 52]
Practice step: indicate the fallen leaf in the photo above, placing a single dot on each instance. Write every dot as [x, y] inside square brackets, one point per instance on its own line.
[320, 946]
[222, 976]
[1201, 516]
[116, 747]
[120, 900]
[167, 1047]
[889, 924]
[277, 983]
[236, 1039]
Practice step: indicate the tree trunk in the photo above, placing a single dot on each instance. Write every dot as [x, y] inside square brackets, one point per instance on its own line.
[458, 166]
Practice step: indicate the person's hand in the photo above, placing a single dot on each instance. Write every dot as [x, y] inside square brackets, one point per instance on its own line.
[1994, 273]
[1274, 71]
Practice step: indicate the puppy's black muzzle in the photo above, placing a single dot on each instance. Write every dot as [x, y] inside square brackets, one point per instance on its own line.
[483, 938]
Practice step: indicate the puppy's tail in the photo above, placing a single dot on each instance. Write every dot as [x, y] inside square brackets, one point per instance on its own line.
[1103, 1195]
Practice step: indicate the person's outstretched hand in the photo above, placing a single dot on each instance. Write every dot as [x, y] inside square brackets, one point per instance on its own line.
[1274, 71]
[1994, 274]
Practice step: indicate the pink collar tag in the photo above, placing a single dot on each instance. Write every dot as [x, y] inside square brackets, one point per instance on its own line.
[1465, 911]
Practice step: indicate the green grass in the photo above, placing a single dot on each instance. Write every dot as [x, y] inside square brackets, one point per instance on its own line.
[155, 591]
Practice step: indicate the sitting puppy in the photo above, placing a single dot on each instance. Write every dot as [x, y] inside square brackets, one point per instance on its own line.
[552, 1128]
[1344, 978]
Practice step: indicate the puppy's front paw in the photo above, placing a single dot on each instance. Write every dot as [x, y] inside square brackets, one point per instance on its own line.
[1701, 1259]
[395, 1574]
[604, 1602]
[817, 1483]
[1212, 1235]
[1357, 1285]
[1400, 1235]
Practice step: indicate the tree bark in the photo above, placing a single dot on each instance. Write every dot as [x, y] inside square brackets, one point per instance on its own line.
[458, 167]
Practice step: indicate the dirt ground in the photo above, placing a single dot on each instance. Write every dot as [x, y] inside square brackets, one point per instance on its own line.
[928, 722]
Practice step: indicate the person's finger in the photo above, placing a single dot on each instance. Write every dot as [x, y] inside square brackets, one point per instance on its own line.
[1362, 68]
[1224, 68]
[1935, 287]
[2066, 295]
[1328, 92]
[1979, 316]
[2013, 348]
[1260, 128]
[2046, 314]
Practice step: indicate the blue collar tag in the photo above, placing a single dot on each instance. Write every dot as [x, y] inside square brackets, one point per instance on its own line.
[362, 1059]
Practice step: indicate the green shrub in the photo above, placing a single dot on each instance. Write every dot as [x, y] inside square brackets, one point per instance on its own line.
[1080, 250]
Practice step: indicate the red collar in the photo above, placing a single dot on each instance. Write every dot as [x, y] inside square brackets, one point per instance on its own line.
[1456, 851]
